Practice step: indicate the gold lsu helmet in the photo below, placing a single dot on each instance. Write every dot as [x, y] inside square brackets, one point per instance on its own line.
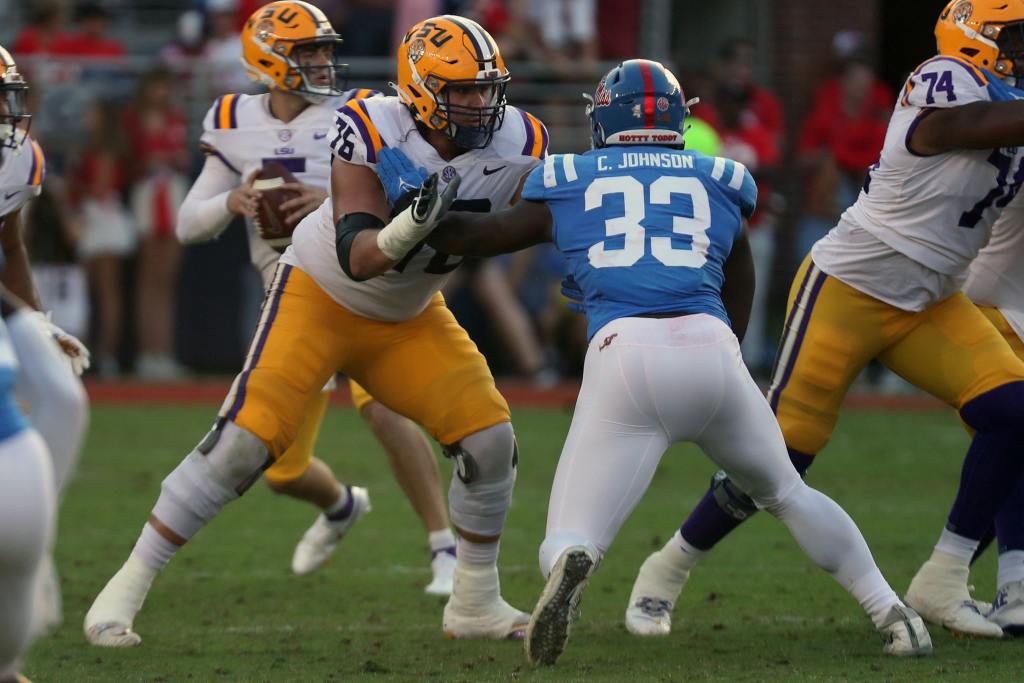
[443, 53]
[273, 40]
[13, 107]
[988, 33]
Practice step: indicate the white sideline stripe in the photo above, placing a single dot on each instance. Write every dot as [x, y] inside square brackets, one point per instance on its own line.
[549, 171]
[738, 169]
[718, 170]
[569, 167]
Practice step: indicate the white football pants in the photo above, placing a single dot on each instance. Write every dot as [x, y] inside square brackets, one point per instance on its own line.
[648, 383]
[28, 506]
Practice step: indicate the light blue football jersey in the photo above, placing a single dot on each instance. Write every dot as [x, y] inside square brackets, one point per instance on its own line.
[12, 420]
[644, 230]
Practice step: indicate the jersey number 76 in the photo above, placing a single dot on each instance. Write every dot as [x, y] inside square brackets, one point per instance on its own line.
[635, 205]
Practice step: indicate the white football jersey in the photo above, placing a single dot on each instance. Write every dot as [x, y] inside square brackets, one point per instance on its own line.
[996, 277]
[938, 210]
[490, 178]
[241, 131]
[21, 175]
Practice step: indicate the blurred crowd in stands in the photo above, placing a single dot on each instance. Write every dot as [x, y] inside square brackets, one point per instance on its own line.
[121, 154]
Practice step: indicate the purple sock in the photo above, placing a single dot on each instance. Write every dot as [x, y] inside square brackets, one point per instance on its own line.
[346, 509]
[993, 464]
[709, 523]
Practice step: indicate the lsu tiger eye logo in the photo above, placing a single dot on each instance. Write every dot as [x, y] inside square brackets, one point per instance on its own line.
[416, 50]
[962, 12]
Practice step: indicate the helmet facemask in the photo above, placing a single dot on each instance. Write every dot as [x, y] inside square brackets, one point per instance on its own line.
[315, 82]
[1010, 40]
[13, 109]
[469, 127]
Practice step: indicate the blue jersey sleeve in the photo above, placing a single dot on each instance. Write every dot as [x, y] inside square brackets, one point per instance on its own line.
[533, 189]
[747, 194]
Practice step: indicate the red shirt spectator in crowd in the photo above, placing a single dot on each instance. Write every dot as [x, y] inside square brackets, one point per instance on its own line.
[45, 30]
[849, 118]
[744, 138]
[90, 39]
[735, 70]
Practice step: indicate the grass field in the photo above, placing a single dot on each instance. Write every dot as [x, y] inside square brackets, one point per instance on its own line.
[228, 609]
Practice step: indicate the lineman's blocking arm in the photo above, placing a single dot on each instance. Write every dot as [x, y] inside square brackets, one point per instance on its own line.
[738, 286]
[978, 125]
[367, 247]
[487, 234]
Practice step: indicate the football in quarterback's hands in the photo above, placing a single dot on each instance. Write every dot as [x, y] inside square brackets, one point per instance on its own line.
[269, 218]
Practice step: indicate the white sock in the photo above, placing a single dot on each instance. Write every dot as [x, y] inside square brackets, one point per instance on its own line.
[122, 597]
[478, 554]
[1011, 567]
[875, 595]
[681, 554]
[441, 540]
[956, 546]
[154, 550]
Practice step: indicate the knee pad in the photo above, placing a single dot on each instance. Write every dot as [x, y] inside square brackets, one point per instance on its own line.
[555, 544]
[730, 498]
[485, 473]
[220, 469]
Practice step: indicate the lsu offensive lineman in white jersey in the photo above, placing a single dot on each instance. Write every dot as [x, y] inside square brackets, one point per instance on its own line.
[885, 283]
[290, 47]
[490, 178]
[418, 361]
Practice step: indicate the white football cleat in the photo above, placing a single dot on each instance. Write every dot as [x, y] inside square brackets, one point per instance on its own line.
[320, 540]
[940, 595]
[108, 623]
[654, 595]
[1008, 608]
[443, 567]
[558, 606]
[904, 633]
[476, 609]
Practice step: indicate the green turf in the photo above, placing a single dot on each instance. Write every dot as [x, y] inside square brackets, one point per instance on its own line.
[228, 609]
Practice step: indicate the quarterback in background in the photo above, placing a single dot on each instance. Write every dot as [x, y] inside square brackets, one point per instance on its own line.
[658, 255]
[885, 283]
[291, 53]
[357, 292]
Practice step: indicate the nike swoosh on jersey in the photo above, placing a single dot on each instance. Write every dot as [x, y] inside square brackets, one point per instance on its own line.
[489, 171]
[10, 194]
[319, 136]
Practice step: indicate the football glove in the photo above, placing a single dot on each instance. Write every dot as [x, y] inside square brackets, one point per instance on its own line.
[78, 355]
[413, 224]
[398, 175]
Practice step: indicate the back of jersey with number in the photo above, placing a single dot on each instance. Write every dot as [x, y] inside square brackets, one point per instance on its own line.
[645, 230]
[938, 210]
[490, 178]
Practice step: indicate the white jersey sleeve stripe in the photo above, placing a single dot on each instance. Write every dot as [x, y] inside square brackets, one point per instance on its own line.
[718, 170]
[569, 167]
[736, 181]
[549, 171]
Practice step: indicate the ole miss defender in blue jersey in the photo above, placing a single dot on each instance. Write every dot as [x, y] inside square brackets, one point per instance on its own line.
[655, 237]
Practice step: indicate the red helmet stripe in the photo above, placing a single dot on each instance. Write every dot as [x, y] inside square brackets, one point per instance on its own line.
[645, 71]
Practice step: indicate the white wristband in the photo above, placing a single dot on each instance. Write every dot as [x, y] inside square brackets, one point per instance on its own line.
[402, 234]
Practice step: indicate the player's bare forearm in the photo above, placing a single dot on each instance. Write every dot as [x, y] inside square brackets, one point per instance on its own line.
[487, 234]
[366, 259]
[738, 288]
[17, 274]
[978, 125]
